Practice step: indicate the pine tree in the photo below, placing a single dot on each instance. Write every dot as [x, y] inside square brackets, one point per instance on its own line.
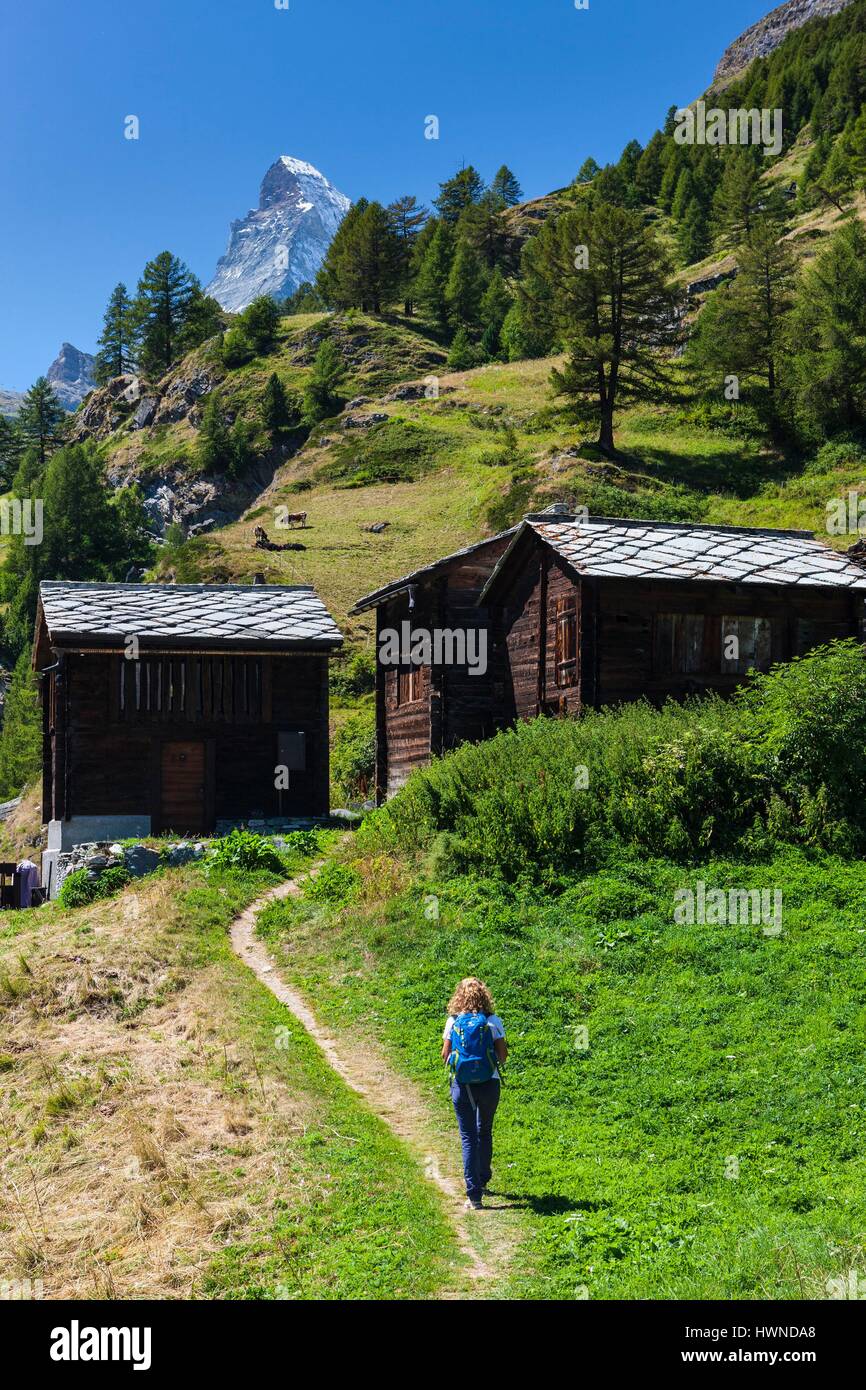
[361, 269]
[613, 312]
[463, 354]
[88, 534]
[828, 337]
[587, 171]
[693, 233]
[204, 319]
[465, 286]
[279, 411]
[116, 342]
[406, 219]
[742, 331]
[483, 226]
[506, 188]
[10, 451]
[649, 171]
[162, 305]
[213, 446]
[495, 304]
[738, 197]
[433, 273]
[39, 419]
[321, 398]
[458, 193]
[685, 192]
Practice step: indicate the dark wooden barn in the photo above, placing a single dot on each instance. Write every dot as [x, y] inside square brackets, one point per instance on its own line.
[581, 613]
[592, 612]
[426, 708]
[170, 708]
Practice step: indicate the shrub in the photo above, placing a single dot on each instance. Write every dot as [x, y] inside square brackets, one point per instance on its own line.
[79, 889]
[244, 849]
[353, 755]
[354, 677]
[782, 761]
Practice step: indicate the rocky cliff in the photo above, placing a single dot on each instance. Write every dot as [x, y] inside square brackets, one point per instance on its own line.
[282, 242]
[768, 33]
[72, 375]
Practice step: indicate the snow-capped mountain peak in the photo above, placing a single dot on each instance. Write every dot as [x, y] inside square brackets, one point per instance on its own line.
[282, 242]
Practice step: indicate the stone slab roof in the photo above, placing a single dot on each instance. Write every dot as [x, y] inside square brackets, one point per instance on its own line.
[622, 549]
[380, 595]
[188, 616]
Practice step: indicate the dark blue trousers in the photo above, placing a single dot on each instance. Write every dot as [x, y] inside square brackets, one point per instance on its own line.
[475, 1107]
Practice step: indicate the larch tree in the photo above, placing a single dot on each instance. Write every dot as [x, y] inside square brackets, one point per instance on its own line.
[599, 281]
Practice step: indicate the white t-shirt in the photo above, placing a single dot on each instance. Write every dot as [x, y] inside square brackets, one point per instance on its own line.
[497, 1028]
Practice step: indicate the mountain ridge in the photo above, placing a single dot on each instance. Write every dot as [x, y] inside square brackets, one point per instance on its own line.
[281, 243]
[766, 34]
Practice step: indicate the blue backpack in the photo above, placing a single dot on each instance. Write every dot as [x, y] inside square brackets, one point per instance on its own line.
[472, 1056]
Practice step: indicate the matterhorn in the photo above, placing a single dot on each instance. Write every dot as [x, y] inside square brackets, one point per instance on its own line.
[283, 241]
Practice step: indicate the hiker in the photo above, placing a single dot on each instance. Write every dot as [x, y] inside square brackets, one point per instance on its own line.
[472, 1044]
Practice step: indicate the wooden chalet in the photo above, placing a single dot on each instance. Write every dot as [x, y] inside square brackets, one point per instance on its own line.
[426, 709]
[589, 612]
[169, 708]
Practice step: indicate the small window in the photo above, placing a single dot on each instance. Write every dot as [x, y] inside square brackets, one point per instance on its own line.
[746, 642]
[566, 643]
[679, 643]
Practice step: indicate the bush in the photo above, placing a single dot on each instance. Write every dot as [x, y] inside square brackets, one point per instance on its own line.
[78, 888]
[354, 677]
[353, 755]
[244, 849]
[783, 761]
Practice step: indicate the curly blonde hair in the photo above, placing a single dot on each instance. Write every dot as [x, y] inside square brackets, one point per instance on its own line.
[471, 997]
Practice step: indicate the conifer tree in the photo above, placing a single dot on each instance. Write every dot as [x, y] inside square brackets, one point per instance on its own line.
[506, 188]
[828, 337]
[458, 193]
[432, 279]
[406, 219]
[10, 451]
[39, 419]
[612, 311]
[117, 341]
[465, 286]
[162, 304]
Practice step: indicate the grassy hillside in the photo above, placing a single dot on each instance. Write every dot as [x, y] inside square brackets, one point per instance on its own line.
[444, 472]
[169, 1131]
[685, 1104]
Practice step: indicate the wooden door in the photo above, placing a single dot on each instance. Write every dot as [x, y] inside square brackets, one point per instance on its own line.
[182, 788]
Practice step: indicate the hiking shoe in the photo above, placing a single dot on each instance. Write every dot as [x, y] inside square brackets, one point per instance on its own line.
[469, 1205]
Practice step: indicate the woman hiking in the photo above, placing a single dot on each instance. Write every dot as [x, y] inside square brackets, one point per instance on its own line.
[472, 1044]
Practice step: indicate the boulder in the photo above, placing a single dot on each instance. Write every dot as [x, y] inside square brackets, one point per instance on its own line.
[363, 422]
[139, 860]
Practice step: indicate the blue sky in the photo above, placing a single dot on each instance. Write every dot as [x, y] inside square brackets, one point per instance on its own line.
[222, 87]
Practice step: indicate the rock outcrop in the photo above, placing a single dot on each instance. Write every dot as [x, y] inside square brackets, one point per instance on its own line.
[768, 33]
[72, 375]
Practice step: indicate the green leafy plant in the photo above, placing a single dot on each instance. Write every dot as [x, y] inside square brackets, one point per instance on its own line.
[244, 849]
[79, 888]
